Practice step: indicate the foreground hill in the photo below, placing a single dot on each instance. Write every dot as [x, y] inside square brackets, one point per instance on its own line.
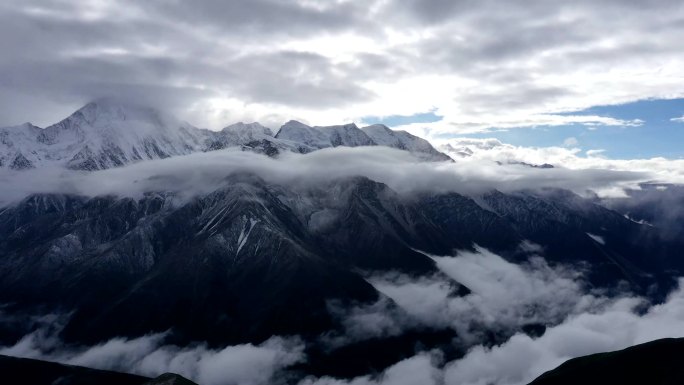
[653, 363]
[24, 371]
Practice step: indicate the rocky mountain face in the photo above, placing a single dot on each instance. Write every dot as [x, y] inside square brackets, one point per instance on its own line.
[253, 259]
[106, 134]
[384, 136]
[614, 246]
[654, 205]
[98, 136]
[322, 137]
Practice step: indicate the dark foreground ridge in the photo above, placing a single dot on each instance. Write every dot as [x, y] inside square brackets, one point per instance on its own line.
[653, 363]
[20, 371]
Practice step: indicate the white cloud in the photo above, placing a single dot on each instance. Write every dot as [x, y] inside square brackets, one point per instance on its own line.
[505, 296]
[596, 152]
[201, 173]
[678, 120]
[380, 319]
[522, 358]
[464, 125]
[245, 364]
[658, 169]
[418, 370]
[570, 142]
[616, 325]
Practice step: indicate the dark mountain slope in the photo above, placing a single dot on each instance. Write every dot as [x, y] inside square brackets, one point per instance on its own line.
[574, 230]
[252, 259]
[653, 363]
[24, 371]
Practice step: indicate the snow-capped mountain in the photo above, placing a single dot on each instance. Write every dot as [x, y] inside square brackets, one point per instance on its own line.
[458, 152]
[253, 137]
[249, 257]
[101, 135]
[384, 136]
[106, 134]
[318, 137]
[15, 144]
[247, 132]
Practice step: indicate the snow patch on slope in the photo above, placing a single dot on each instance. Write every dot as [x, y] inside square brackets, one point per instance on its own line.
[597, 238]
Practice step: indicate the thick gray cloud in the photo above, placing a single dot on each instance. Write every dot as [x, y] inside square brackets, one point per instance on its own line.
[263, 17]
[66, 53]
[479, 63]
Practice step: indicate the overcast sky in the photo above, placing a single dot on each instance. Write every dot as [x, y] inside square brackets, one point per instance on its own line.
[470, 65]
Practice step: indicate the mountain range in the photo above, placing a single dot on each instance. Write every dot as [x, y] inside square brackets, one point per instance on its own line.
[105, 134]
[253, 258]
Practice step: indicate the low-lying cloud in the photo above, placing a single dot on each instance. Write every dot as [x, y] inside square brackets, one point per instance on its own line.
[246, 364]
[591, 324]
[418, 370]
[505, 297]
[659, 169]
[523, 358]
[201, 173]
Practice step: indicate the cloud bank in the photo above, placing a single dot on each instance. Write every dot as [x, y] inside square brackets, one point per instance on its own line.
[200, 173]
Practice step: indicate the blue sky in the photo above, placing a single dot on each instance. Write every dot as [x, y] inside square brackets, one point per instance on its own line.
[657, 136]
[399, 120]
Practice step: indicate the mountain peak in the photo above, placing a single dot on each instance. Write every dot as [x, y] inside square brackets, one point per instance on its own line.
[348, 126]
[324, 136]
[294, 124]
[254, 128]
[28, 125]
[109, 109]
[110, 132]
[377, 126]
[385, 136]
[299, 132]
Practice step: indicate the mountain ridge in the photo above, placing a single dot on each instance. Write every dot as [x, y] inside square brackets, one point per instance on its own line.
[105, 134]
